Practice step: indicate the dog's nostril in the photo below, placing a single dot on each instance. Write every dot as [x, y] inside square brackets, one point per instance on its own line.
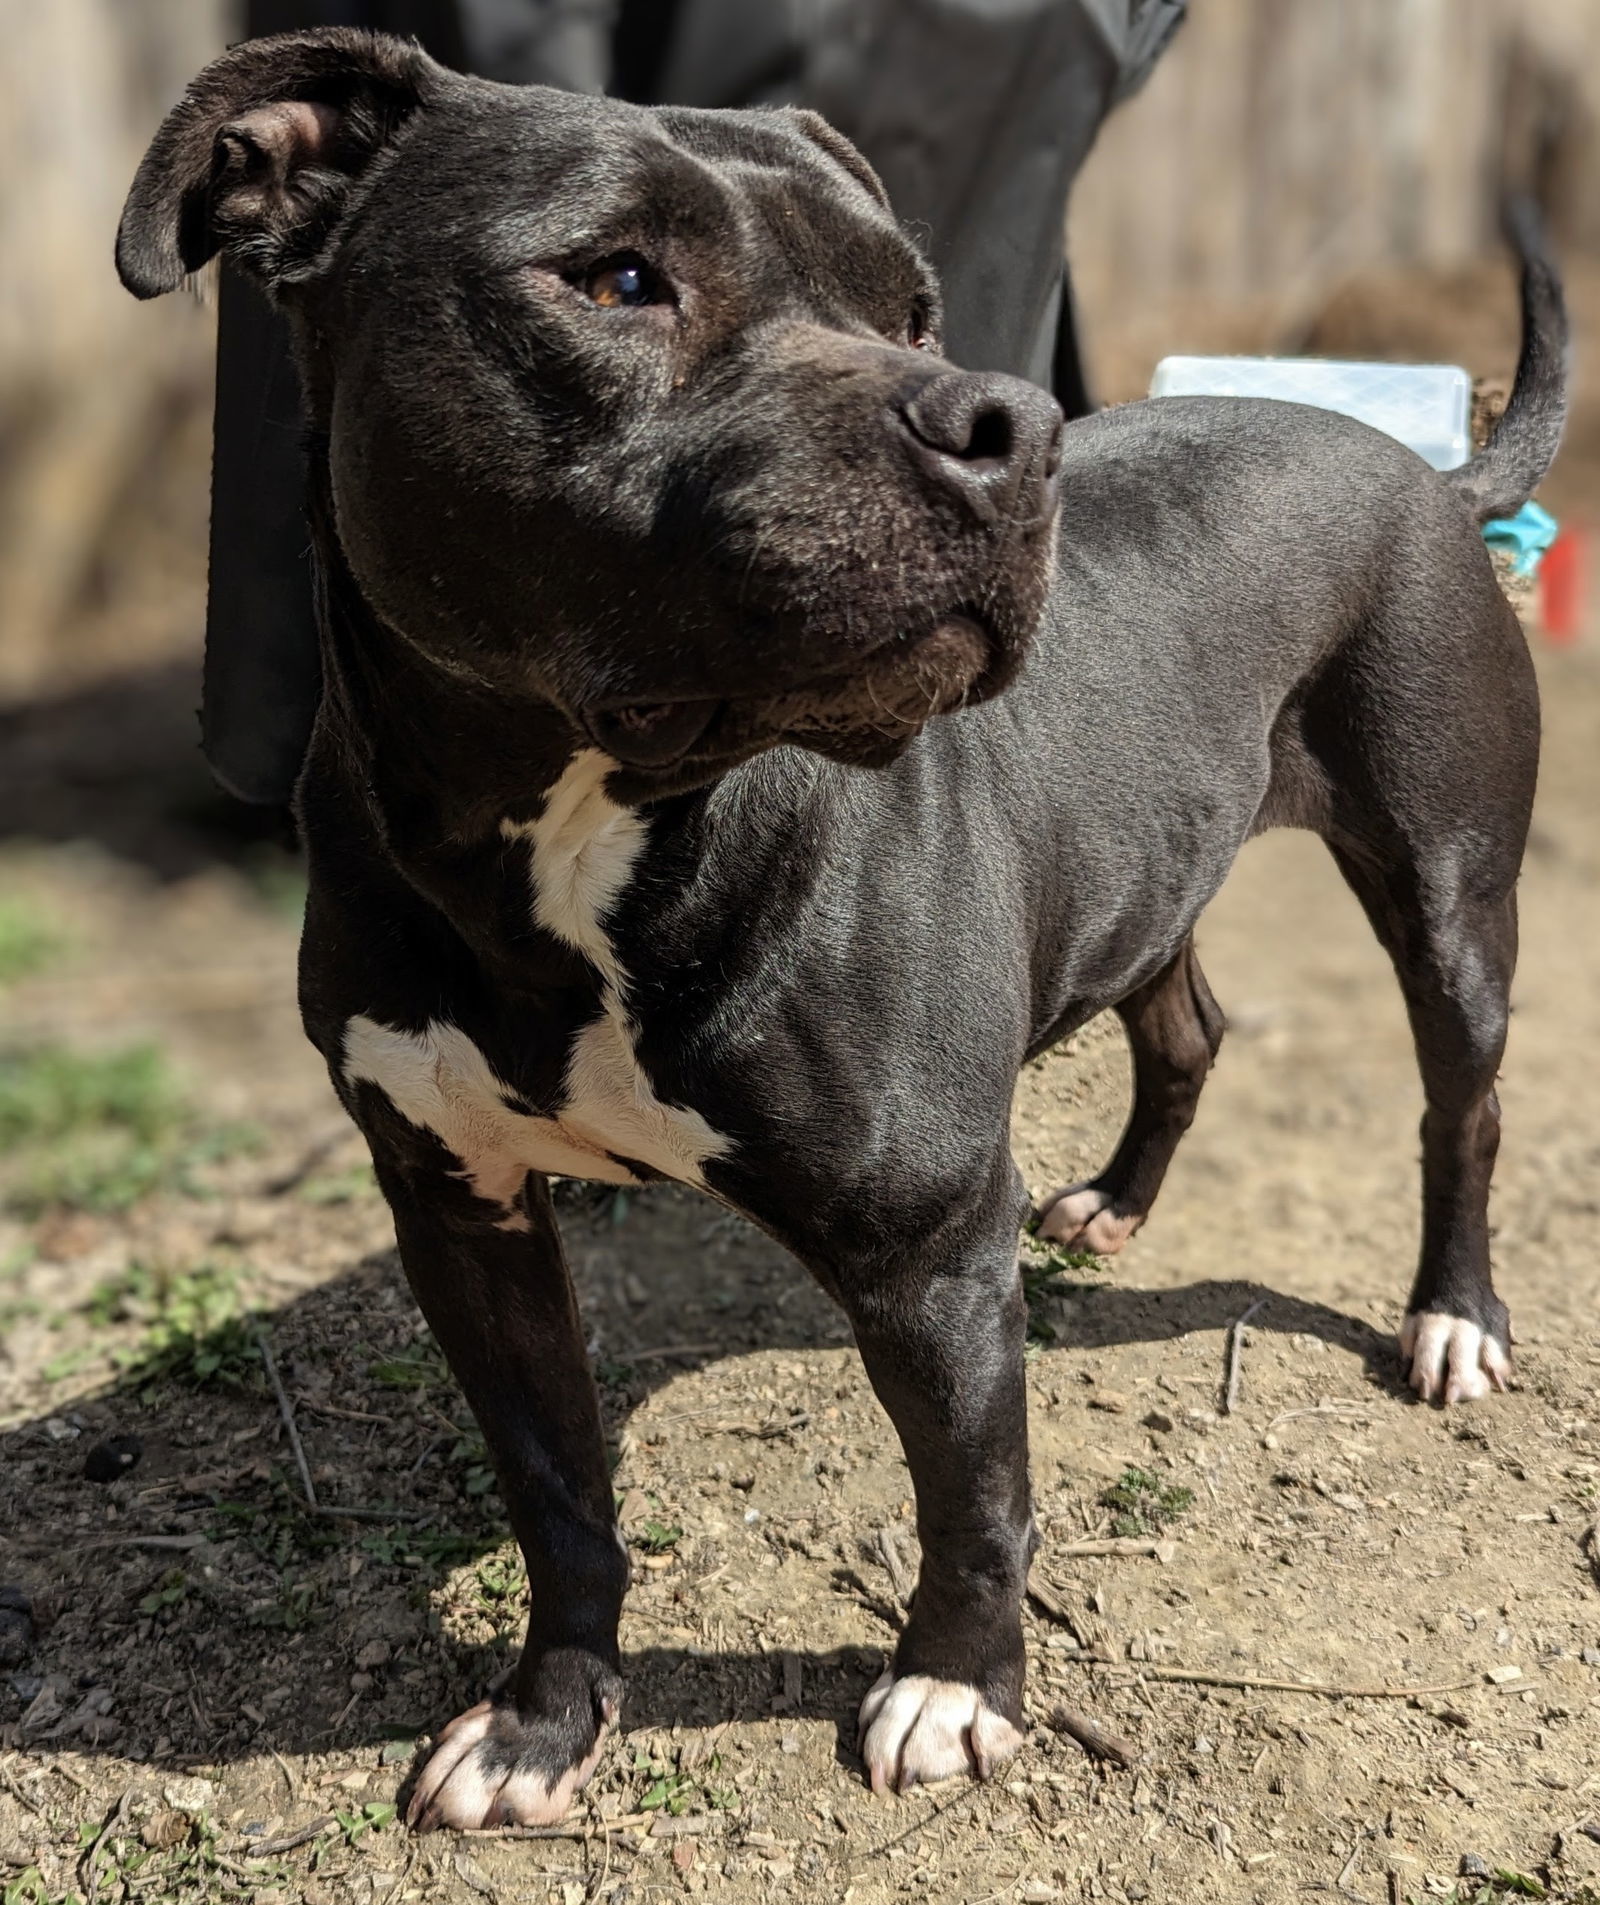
[992, 438]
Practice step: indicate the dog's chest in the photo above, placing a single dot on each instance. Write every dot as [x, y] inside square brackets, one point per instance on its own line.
[581, 854]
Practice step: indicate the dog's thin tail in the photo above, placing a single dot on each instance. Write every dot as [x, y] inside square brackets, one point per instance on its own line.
[1510, 467]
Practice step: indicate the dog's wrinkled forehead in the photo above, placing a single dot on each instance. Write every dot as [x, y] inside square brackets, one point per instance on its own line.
[760, 212]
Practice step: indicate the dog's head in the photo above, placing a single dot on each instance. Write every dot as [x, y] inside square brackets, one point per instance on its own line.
[635, 412]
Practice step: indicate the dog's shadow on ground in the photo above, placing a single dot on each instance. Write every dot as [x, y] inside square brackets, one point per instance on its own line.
[195, 1610]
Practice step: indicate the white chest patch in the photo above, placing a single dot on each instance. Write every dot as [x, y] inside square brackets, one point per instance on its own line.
[582, 852]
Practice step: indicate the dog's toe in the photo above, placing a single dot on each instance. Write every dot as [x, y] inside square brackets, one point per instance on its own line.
[1084, 1217]
[919, 1730]
[1450, 1359]
[492, 1767]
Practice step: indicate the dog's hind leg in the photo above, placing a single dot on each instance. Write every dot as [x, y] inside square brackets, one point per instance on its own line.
[1427, 731]
[1175, 1028]
[1453, 939]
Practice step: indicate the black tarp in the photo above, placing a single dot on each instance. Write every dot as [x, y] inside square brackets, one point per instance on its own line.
[977, 114]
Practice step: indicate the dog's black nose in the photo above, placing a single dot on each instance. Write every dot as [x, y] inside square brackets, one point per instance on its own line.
[994, 439]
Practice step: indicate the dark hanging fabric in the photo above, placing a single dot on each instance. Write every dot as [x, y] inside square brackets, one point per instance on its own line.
[977, 114]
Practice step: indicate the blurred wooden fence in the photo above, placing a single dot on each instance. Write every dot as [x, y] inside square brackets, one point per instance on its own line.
[1281, 147]
[1284, 145]
[90, 381]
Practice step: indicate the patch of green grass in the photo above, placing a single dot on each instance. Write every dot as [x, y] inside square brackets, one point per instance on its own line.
[277, 881]
[170, 1592]
[29, 1888]
[430, 1551]
[1505, 1884]
[29, 940]
[675, 1791]
[659, 1537]
[196, 1329]
[100, 1130]
[192, 1870]
[339, 1187]
[499, 1576]
[1143, 1504]
[420, 1367]
[13, 1309]
[52, 1092]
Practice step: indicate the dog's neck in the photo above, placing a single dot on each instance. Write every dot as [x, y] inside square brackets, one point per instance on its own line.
[450, 769]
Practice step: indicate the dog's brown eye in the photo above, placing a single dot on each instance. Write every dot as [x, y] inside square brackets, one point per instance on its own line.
[624, 282]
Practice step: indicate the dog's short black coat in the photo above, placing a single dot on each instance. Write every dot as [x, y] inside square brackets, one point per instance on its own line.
[651, 535]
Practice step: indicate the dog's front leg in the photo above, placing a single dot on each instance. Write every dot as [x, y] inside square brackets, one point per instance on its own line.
[941, 1332]
[500, 1302]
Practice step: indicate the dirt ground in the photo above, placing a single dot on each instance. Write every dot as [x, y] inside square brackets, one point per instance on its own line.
[208, 1690]
[211, 1669]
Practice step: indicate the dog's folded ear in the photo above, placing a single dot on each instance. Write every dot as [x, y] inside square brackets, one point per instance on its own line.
[822, 132]
[258, 157]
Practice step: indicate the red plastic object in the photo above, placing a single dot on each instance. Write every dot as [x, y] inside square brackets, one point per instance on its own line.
[1563, 587]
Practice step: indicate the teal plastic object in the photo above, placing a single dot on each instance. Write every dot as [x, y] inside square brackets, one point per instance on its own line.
[1524, 537]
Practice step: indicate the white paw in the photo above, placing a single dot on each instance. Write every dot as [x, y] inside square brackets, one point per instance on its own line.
[484, 1771]
[1451, 1360]
[1082, 1218]
[918, 1730]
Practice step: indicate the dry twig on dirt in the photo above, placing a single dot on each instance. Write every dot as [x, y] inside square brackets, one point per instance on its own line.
[1328, 1689]
[1130, 1545]
[1230, 1390]
[119, 1812]
[286, 1410]
[268, 1848]
[1097, 1741]
[332, 1511]
[139, 1541]
[1589, 1542]
[1329, 1406]
[592, 1829]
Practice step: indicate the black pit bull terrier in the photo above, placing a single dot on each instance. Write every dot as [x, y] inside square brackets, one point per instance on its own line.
[653, 534]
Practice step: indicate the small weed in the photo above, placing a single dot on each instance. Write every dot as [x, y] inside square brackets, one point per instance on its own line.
[195, 1327]
[277, 881]
[1506, 1884]
[676, 1792]
[52, 1093]
[12, 1265]
[499, 1576]
[1142, 1504]
[432, 1552]
[659, 1537]
[68, 1363]
[100, 1130]
[1047, 1275]
[28, 941]
[420, 1367]
[372, 1817]
[297, 1607]
[29, 1888]
[124, 1867]
[172, 1593]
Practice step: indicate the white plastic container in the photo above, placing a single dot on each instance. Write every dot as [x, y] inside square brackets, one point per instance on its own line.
[1427, 406]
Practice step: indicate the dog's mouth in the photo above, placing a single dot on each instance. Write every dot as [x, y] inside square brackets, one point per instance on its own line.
[867, 713]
